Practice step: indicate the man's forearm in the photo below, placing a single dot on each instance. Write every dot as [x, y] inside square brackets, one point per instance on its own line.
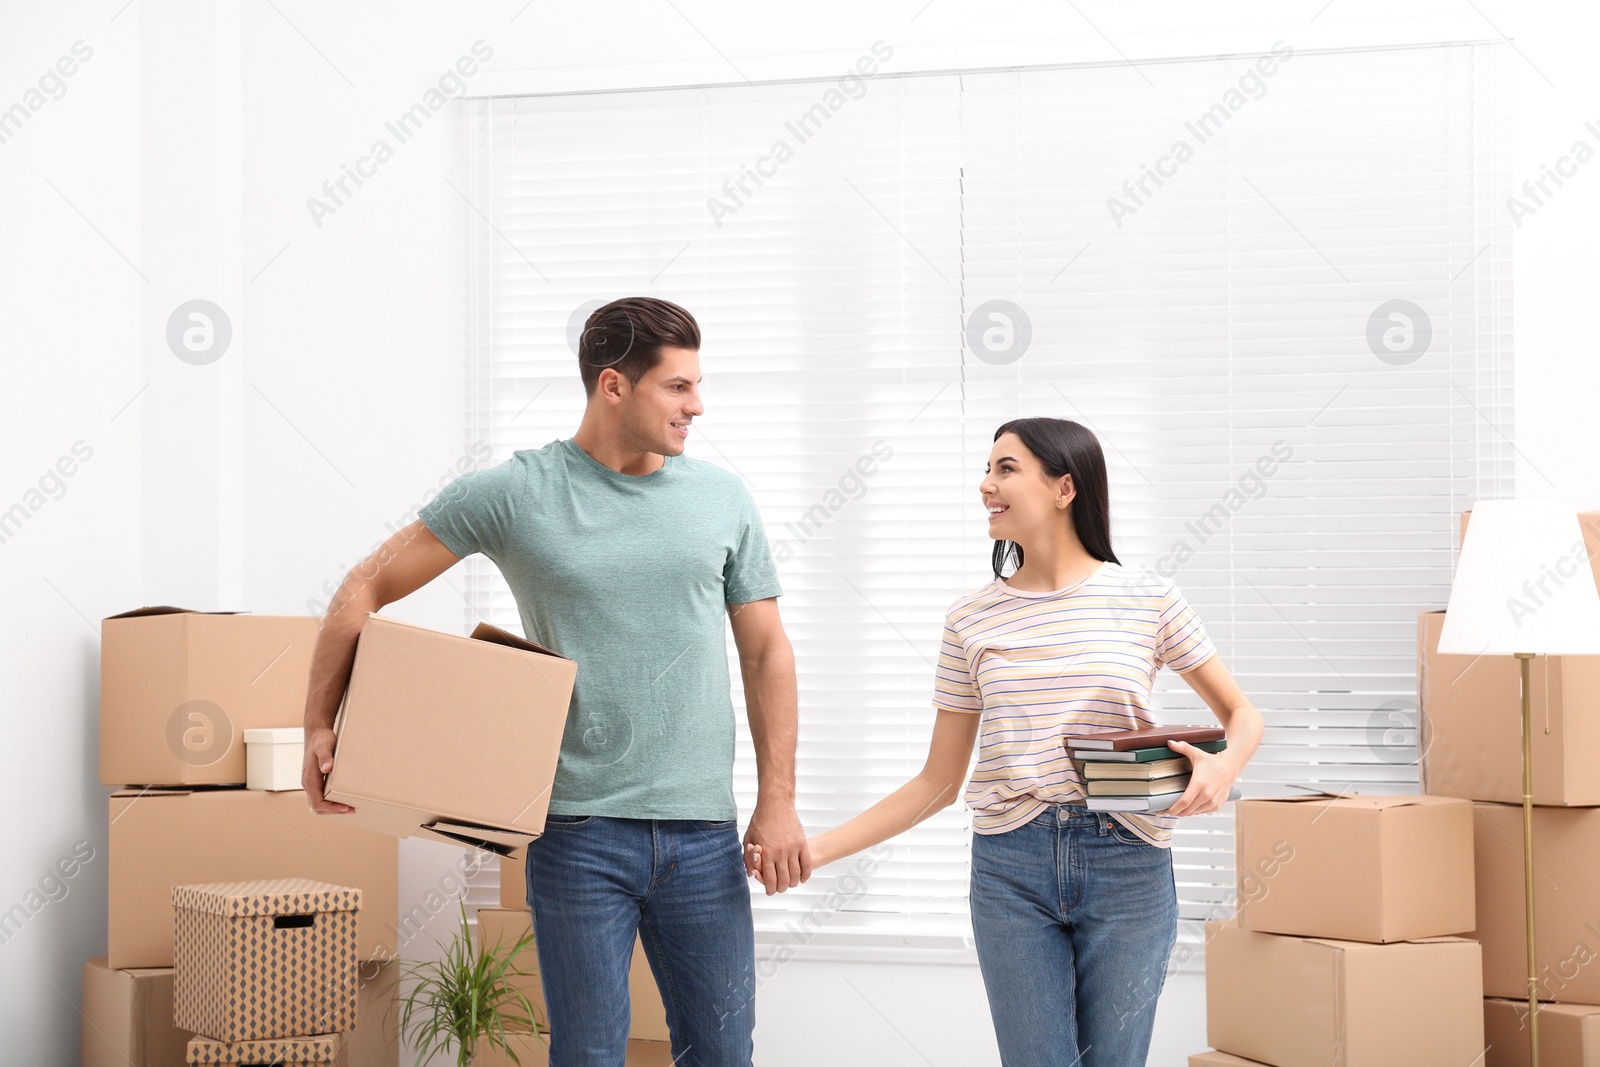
[772, 697]
[333, 657]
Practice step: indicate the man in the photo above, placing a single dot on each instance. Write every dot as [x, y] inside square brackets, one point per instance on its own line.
[624, 555]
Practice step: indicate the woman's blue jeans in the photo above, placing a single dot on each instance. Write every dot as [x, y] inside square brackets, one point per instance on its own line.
[1075, 920]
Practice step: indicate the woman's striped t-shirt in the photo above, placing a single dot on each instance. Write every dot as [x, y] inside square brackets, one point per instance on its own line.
[1036, 663]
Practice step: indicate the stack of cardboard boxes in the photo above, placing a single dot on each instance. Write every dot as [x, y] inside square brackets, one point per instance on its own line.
[649, 1044]
[1341, 953]
[1332, 959]
[266, 972]
[448, 738]
[1471, 746]
[178, 690]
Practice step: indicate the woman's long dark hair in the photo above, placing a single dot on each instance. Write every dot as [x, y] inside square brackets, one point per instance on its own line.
[1064, 447]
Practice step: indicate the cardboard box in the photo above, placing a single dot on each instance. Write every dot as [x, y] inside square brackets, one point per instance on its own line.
[1321, 1002]
[513, 883]
[163, 838]
[1361, 868]
[178, 688]
[498, 926]
[531, 1051]
[503, 926]
[322, 1050]
[1569, 1034]
[535, 1052]
[375, 1042]
[452, 738]
[256, 961]
[127, 1018]
[1471, 724]
[1470, 715]
[1566, 894]
[1222, 1059]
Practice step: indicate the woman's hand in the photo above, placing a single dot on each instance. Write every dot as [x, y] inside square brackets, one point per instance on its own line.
[936, 786]
[816, 844]
[1211, 775]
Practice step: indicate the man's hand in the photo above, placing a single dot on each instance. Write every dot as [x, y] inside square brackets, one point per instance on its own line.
[816, 844]
[1210, 778]
[319, 761]
[780, 856]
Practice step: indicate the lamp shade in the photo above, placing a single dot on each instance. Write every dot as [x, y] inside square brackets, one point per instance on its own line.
[1523, 584]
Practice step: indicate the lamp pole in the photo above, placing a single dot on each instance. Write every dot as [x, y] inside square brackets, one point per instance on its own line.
[1523, 661]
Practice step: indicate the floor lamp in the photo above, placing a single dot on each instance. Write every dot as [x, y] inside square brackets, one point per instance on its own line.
[1523, 587]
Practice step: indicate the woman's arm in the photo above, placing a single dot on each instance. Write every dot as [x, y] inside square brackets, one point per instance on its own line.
[936, 786]
[1214, 773]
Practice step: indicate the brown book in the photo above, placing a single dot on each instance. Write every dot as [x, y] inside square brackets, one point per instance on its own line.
[1112, 739]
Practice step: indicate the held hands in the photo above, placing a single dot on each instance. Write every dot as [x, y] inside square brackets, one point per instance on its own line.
[775, 848]
[817, 849]
[1210, 777]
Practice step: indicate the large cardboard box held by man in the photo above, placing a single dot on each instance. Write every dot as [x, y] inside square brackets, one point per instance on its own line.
[497, 926]
[162, 838]
[450, 738]
[1566, 895]
[1321, 1002]
[1470, 715]
[1362, 868]
[179, 688]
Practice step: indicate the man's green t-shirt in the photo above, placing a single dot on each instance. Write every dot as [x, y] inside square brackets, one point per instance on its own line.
[630, 577]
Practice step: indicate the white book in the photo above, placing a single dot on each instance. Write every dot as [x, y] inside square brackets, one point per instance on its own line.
[1159, 802]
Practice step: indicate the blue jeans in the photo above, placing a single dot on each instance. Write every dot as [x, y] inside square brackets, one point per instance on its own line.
[1075, 919]
[593, 883]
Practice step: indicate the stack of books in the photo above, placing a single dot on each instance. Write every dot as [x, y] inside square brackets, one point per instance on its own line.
[1134, 770]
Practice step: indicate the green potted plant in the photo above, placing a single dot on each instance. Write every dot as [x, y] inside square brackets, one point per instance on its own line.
[466, 998]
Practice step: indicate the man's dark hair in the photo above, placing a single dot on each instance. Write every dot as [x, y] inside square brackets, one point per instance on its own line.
[627, 335]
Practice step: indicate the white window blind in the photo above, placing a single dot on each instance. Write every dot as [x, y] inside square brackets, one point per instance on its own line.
[1213, 326]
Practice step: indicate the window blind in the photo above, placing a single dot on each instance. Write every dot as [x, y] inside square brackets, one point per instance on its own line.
[1276, 287]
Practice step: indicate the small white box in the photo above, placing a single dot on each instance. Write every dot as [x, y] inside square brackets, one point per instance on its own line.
[273, 757]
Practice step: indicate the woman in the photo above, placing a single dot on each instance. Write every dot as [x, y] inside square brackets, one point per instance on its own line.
[1074, 912]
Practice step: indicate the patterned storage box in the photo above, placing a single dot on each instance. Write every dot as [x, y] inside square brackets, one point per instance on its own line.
[324, 1050]
[267, 959]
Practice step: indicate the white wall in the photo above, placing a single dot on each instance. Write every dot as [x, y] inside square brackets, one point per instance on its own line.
[177, 165]
[71, 309]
